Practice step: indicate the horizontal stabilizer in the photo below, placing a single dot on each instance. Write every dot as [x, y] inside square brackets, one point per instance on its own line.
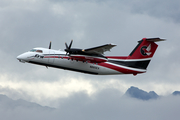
[154, 39]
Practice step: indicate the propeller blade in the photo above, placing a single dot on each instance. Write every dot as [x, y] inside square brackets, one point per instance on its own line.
[50, 45]
[70, 44]
[66, 45]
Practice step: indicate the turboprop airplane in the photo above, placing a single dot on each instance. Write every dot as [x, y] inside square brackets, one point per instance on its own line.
[92, 60]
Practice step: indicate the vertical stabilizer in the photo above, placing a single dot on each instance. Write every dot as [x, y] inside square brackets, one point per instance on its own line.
[143, 52]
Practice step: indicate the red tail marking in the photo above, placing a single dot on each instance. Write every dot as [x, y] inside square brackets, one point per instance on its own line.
[145, 49]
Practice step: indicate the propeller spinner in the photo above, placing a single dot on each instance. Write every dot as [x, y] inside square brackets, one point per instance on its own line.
[70, 50]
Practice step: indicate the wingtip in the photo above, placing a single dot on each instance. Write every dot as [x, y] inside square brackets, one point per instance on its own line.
[112, 44]
[163, 39]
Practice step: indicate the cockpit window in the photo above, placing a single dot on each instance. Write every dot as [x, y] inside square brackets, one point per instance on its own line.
[35, 50]
[40, 51]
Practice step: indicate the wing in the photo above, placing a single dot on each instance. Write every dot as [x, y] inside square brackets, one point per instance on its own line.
[99, 49]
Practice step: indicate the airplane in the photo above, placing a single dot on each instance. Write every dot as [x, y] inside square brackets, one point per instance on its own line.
[92, 60]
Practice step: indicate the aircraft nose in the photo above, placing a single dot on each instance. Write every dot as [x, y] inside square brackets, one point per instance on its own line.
[19, 57]
[22, 57]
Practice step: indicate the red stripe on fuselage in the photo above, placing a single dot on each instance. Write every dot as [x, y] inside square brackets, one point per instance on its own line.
[103, 64]
[90, 58]
[81, 58]
[119, 69]
[117, 57]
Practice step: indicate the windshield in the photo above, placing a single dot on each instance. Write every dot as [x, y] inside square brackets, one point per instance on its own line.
[33, 50]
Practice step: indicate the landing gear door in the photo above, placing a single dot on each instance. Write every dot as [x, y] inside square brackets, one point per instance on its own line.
[51, 57]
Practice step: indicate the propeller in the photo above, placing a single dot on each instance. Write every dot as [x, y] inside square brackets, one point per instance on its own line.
[50, 45]
[68, 48]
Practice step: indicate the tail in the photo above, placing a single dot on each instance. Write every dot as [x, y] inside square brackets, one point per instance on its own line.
[141, 56]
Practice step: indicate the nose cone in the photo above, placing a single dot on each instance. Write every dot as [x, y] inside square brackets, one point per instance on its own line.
[20, 57]
[23, 57]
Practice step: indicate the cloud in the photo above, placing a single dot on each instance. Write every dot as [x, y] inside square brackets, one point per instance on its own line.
[107, 104]
[167, 10]
[30, 23]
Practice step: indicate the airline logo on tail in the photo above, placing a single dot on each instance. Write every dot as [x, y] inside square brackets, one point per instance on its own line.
[146, 50]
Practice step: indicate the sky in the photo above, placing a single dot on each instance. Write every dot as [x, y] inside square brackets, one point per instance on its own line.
[25, 24]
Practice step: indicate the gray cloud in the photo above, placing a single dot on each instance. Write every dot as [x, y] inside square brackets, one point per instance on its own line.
[107, 104]
[24, 26]
[28, 24]
[168, 10]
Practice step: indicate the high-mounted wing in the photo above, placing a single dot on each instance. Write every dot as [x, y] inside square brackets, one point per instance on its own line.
[99, 49]
[92, 55]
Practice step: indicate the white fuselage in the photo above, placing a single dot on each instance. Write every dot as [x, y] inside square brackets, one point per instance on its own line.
[59, 59]
[92, 60]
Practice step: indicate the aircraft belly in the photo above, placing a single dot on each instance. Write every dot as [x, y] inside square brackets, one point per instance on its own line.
[78, 65]
[107, 71]
[83, 66]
